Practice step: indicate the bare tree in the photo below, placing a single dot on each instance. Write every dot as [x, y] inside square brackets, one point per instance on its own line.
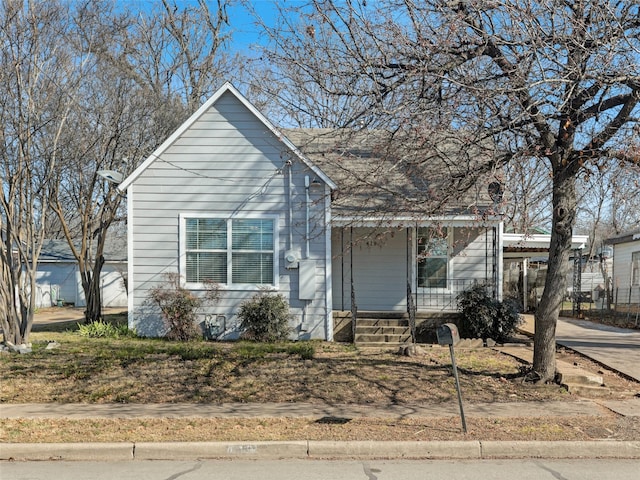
[553, 80]
[37, 80]
[84, 86]
[527, 200]
[147, 70]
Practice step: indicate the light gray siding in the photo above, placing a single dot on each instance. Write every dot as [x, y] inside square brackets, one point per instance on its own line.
[378, 260]
[226, 164]
[384, 261]
[624, 291]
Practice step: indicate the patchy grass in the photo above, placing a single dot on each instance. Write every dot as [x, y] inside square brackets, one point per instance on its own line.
[278, 429]
[133, 370]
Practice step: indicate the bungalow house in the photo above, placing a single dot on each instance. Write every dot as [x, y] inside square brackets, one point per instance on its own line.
[329, 220]
[626, 269]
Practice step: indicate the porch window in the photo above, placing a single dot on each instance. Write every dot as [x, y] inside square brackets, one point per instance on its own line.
[229, 251]
[635, 268]
[433, 257]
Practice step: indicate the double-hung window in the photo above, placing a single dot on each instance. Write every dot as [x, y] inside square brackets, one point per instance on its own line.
[635, 268]
[231, 251]
[433, 257]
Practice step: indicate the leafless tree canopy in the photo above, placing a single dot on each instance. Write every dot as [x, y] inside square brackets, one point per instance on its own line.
[88, 86]
[553, 85]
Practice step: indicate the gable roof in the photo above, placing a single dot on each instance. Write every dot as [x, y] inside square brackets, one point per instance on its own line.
[55, 250]
[380, 176]
[227, 87]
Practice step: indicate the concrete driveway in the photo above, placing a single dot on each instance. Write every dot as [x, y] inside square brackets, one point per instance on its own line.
[55, 315]
[617, 348]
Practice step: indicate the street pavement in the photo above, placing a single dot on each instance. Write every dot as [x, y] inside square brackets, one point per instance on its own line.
[320, 469]
[618, 349]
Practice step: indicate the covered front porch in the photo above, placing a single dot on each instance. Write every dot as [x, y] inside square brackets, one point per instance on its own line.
[411, 272]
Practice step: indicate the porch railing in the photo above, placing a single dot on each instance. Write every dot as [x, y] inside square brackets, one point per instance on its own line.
[444, 298]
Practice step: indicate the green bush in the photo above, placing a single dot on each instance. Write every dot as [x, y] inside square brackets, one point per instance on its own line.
[101, 329]
[265, 318]
[179, 306]
[484, 317]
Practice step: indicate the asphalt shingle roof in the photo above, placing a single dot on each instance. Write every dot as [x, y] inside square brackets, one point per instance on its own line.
[379, 176]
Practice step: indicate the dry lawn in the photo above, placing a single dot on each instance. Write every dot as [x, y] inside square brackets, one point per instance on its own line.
[157, 371]
[127, 370]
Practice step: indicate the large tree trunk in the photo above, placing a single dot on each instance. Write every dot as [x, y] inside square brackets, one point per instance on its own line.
[546, 318]
[92, 293]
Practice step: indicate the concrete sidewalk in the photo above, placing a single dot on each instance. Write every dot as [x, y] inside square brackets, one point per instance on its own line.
[307, 410]
[193, 451]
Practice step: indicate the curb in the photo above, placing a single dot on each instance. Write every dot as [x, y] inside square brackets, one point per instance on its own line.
[469, 450]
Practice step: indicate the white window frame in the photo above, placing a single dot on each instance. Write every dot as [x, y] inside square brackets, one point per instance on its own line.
[635, 269]
[449, 263]
[228, 285]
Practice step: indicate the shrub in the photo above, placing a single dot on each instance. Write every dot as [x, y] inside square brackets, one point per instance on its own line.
[102, 329]
[179, 306]
[265, 318]
[484, 317]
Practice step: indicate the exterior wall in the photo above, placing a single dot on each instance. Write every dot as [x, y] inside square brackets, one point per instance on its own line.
[379, 261]
[383, 261]
[622, 253]
[61, 281]
[55, 281]
[227, 164]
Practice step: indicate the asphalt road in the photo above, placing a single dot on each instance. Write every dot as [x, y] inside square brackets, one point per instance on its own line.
[584, 469]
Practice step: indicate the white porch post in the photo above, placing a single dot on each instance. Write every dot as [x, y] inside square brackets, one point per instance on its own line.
[525, 284]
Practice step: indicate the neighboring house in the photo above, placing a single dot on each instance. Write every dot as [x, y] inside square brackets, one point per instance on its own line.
[525, 267]
[229, 198]
[626, 268]
[58, 276]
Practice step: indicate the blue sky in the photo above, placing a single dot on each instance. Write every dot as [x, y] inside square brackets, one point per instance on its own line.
[245, 33]
[242, 24]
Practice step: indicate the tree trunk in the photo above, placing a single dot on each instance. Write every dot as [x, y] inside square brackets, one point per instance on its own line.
[92, 293]
[546, 318]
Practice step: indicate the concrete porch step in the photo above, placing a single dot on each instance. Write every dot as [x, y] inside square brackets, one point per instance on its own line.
[574, 379]
[379, 322]
[382, 330]
[388, 345]
[391, 338]
[587, 390]
[570, 375]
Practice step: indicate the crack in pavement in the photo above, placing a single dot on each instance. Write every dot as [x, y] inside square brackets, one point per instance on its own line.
[368, 471]
[197, 466]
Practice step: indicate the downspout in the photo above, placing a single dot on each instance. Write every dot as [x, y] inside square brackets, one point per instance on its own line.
[306, 226]
[290, 200]
[328, 266]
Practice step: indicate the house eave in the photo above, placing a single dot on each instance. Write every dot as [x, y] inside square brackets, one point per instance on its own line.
[538, 242]
[624, 238]
[412, 221]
